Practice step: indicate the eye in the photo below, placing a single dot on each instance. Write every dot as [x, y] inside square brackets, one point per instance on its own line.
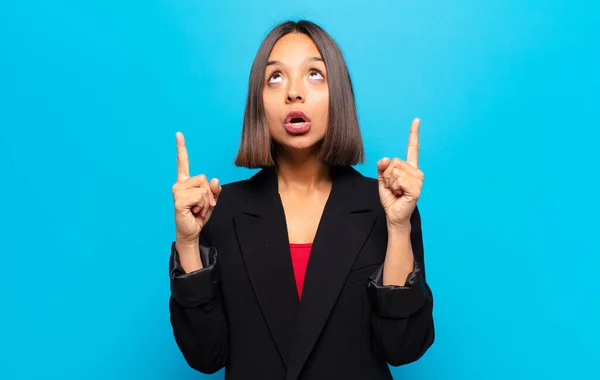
[275, 78]
[315, 74]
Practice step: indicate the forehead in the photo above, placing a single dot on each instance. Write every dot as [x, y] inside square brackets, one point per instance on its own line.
[294, 47]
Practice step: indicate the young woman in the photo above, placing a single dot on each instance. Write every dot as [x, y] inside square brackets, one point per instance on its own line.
[307, 270]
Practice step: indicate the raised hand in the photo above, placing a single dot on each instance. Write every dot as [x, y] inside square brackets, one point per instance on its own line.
[400, 182]
[194, 198]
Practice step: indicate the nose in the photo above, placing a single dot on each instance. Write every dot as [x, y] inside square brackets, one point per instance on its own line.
[293, 97]
[295, 92]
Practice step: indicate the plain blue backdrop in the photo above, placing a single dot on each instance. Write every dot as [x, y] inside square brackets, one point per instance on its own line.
[92, 93]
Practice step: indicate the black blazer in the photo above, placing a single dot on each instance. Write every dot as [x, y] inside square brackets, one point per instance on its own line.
[242, 312]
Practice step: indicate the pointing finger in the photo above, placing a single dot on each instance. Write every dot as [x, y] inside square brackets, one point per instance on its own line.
[183, 163]
[412, 153]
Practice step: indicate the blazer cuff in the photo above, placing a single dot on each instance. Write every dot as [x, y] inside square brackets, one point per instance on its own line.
[393, 301]
[198, 287]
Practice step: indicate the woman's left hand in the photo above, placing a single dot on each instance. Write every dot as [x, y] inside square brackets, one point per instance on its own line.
[400, 182]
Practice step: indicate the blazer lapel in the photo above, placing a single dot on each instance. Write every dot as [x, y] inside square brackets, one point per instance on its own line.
[263, 238]
[346, 223]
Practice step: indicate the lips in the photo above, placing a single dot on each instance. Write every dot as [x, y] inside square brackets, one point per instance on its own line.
[297, 122]
[297, 116]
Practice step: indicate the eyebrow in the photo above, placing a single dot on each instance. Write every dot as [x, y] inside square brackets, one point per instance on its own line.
[308, 59]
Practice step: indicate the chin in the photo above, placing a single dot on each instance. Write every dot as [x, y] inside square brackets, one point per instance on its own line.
[302, 147]
[300, 142]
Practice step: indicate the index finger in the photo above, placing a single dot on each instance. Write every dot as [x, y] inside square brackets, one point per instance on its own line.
[183, 163]
[412, 153]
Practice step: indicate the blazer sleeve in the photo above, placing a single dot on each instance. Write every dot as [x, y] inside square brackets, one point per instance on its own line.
[402, 320]
[196, 310]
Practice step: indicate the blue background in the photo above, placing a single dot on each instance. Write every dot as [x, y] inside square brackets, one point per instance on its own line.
[92, 93]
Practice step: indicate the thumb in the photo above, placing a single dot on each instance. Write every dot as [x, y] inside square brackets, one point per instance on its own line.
[381, 166]
[215, 187]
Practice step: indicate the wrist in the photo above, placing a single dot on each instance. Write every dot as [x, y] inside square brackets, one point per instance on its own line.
[186, 242]
[399, 228]
[189, 255]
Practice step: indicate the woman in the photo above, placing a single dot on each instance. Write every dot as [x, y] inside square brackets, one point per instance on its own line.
[245, 295]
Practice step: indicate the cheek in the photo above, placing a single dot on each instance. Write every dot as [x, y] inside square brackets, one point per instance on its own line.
[271, 110]
[322, 108]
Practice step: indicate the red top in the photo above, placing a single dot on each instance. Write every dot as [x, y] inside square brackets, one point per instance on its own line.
[300, 254]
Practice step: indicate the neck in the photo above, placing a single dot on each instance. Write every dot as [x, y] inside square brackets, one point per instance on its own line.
[301, 171]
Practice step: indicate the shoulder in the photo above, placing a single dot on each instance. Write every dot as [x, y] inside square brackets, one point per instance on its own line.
[353, 177]
[236, 188]
[233, 192]
[246, 187]
[237, 193]
[358, 190]
[367, 184]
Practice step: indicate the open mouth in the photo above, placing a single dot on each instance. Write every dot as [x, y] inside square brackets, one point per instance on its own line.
[297, 122]
[297, 117]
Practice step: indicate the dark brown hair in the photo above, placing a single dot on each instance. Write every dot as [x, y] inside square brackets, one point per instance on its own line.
[342, 144]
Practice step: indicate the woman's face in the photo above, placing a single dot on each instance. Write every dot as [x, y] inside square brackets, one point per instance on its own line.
[296, 94]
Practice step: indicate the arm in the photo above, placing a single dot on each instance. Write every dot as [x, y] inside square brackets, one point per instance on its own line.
[197, 315]
[402, 320]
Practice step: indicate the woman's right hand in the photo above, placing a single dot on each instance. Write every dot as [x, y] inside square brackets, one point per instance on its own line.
[194, 198]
